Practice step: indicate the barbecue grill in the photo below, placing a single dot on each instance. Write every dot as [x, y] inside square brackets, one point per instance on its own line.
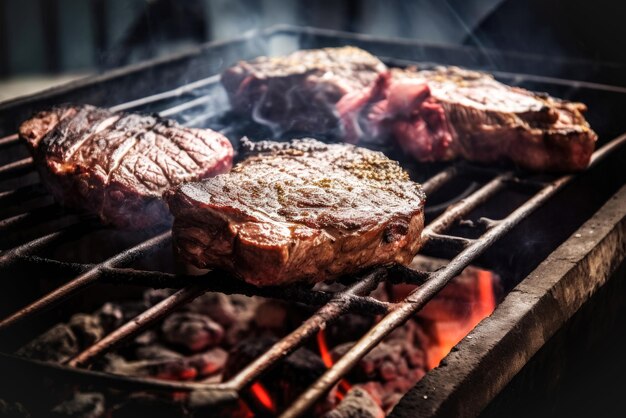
[476, 215]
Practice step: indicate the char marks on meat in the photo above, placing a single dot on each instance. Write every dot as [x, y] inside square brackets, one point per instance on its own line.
[434, 114]
[299, 211]
[117, 165]
[298, 92]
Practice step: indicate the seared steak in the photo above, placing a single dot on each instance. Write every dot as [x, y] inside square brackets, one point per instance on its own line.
[448, 112]
[117, 165]
[299, 211]
[433, 115]
[298, 92]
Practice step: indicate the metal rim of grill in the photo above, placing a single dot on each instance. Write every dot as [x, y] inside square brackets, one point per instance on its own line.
[354, 298]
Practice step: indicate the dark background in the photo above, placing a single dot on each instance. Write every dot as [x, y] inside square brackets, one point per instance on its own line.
[84, 36]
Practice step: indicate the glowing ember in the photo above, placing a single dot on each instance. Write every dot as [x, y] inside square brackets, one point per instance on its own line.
[446, 334]
[321, 342]
[344, 386]
[264, 398]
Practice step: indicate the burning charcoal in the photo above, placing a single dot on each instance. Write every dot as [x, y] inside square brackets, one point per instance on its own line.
[358, 403]
[170, 365]
[271, 314]
[202, 406]
[156, 352]
[168, 369]
[13, 410]
[193, 331]
[348, 328]
[132, 308]
[57, 345]
[246, 351]
[143, 405]
[82, 405]
[111, 316]
[153, 296]
[147, 338]
[209, 363]
[394, 365]
[217, 306]
[87, 329]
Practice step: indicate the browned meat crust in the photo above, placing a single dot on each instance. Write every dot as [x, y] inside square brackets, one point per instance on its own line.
[297, 92]
[117, 165]
[299, 211]
[432, 114]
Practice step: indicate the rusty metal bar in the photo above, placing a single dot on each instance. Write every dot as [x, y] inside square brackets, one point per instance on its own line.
[420, 296]
[9, 140]
[185, 106]
[440, 179]
[366, 305]
[108, 380]
[216, 281]
[16, 167]
[22, 193]
[179, 91]
[449, 244]
[41, 214]
[86, 279]
[138, 324]
[68, 232]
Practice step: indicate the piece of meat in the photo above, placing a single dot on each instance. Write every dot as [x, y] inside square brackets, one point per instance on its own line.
[432, 114]
[299, 211]
[447, 112]
[298, 92]
[117, 165]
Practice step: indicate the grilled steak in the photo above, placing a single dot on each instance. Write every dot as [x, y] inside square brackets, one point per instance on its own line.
[117, 165]
[433, 115]
[299, 211]
[298, 92]
[448, 112]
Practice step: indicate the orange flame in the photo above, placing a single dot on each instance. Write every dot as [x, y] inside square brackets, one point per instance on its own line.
[344, 386]
[263, 396]
[446, 334]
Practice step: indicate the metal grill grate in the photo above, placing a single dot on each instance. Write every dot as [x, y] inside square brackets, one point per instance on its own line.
[354, 298]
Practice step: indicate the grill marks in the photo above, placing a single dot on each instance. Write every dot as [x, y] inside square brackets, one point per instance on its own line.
[118, 165]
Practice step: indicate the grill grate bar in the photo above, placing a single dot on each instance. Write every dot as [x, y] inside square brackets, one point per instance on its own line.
[88, 278]
[449, 243]
[9, 140]
[440, 179]
[107, 380]
[21, 194]
[11, 256]
[185, 106]
[16, 167]
[213, 282]
[179, 91]
[42, 214]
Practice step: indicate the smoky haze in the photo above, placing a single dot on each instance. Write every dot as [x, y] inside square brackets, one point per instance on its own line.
[68, 35]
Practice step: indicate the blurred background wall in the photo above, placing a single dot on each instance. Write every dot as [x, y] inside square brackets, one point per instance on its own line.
[44, 41]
